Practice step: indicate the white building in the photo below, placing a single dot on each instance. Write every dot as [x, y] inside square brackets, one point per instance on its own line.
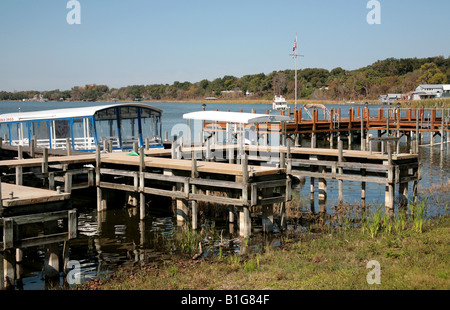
[389, 98]
[431, 91]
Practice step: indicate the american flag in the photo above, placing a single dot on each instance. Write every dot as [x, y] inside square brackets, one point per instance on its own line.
[295, 47]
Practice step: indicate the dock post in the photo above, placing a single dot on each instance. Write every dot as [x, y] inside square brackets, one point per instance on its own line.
[313, 140]
[417, 136]
[340, 172]
[101, 202]
[51, 264]
[51, 261]
[182, 211]
[389, 193]
[45, 161]
[19, 169]
[141, 184]
[363, 144]
[322, 191]
[182, 203]
[33, 147]
[173, 150]
[245, 220]
[363, 190]
[194, 174]
[68, 147]
[51, 181]
[67, 183]
[141, 196]
[9, 269]
[350, 139]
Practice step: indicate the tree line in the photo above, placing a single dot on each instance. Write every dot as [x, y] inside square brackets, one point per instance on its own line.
[384, 76]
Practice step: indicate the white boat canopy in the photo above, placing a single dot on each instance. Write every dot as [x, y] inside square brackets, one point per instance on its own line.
[117, 125]
[235, 117]
[64, 113]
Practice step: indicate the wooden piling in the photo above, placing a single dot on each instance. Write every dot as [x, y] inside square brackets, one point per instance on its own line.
[322, 191]
[363, 190]
[9, 268]
[33, 147]
[389, 193]
[45, 161]
[19, 169]
[68, 147]
[67, 183]
[245, 221]
[101, 201]
[340, 172]
[363, 144]
[142, 210]
[194, 211]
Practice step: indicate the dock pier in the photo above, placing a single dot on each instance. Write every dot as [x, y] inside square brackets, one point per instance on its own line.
[244, 179]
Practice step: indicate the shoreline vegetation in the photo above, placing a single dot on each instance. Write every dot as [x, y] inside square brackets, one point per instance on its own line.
[389, 76]
[425, 103]
[410, 259]
[332, 253]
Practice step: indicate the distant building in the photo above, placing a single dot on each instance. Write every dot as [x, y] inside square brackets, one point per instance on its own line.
[389, 98]
[424, 91]
[431, 91]
[231, 92]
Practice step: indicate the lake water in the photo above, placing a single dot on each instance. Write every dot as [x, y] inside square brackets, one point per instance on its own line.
[119, 238]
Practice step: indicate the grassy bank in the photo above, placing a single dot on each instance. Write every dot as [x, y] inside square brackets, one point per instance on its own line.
[410, 257]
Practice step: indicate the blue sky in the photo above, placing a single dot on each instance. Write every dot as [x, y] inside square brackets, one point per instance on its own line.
[120, 43]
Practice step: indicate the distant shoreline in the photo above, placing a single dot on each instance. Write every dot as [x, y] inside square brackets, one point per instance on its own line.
[428, 103]
[226, 101]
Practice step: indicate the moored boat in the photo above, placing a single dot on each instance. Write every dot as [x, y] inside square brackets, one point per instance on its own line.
[84, 128]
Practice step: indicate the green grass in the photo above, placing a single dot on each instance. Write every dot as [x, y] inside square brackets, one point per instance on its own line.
[410, 258]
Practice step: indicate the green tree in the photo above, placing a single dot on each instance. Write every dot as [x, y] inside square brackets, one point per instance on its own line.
[430, 74]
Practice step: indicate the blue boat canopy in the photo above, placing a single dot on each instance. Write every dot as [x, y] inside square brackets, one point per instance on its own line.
[122, 124]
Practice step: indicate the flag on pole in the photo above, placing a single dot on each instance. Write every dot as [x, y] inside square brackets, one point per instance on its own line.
[295, 47]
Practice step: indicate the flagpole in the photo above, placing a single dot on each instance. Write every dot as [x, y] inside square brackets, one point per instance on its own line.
[295, 55]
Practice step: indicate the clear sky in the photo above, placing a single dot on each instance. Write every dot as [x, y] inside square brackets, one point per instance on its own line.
[121, 43]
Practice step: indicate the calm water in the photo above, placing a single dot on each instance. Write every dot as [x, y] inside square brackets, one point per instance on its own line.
[119, 238]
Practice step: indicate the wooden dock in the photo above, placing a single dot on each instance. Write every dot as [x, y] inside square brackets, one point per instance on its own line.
[242, 179]
[21, 196]
[51, 218]
[330, 125]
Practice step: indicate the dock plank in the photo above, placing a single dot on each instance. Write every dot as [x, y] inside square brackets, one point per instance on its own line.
[24, 195]
[186, 165]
